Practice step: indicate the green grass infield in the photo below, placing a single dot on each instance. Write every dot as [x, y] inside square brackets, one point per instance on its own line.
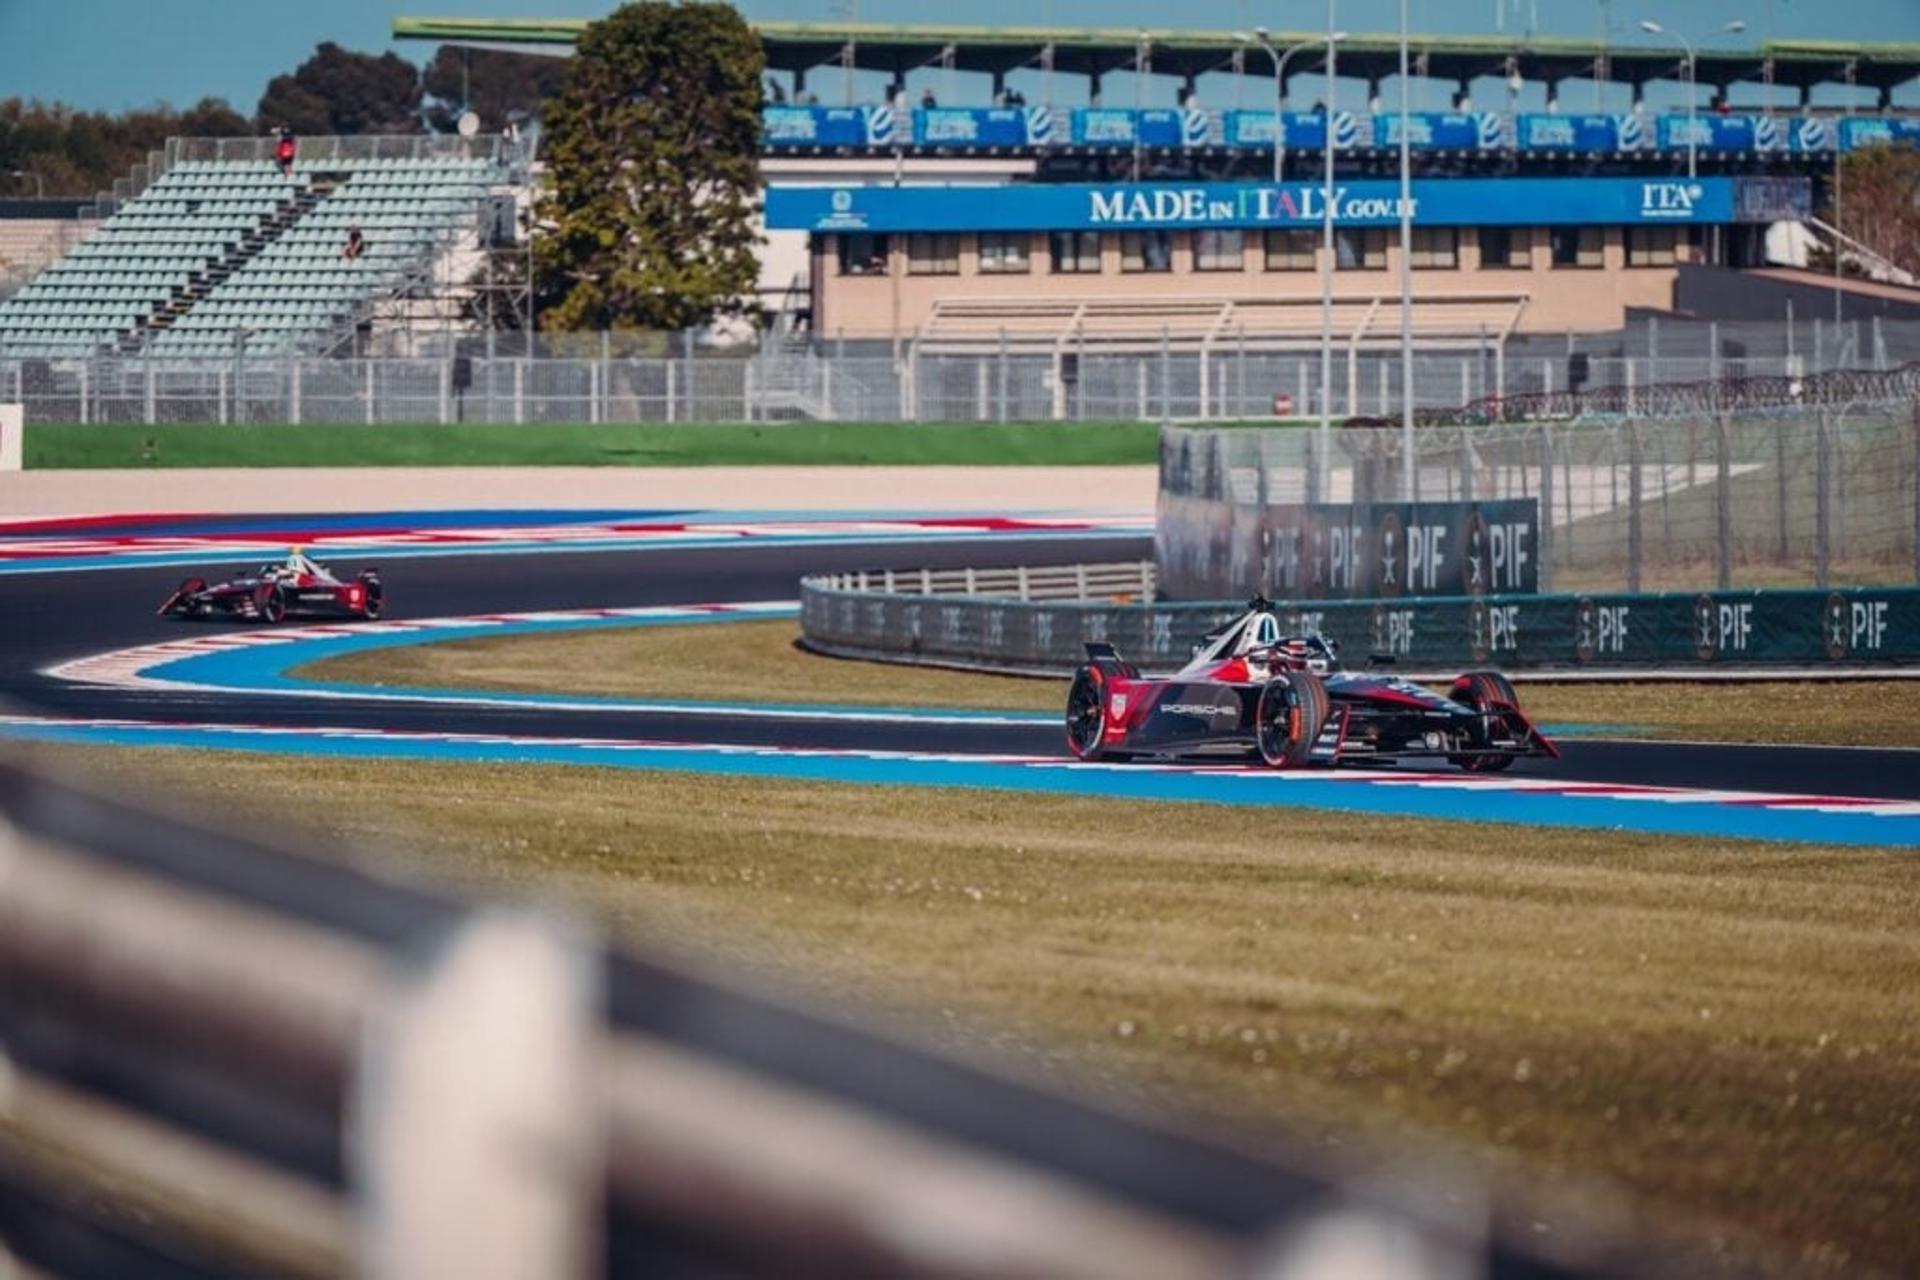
[52, 446]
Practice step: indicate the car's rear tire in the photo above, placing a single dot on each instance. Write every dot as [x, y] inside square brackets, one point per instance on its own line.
[1087, 715]
[1287, 719]
[374, 597]
[270, 603]
[1489, 693]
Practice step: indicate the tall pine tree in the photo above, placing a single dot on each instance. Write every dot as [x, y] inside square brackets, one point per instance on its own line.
[652, 147]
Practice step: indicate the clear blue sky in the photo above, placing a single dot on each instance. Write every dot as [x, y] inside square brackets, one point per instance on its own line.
[111, 54]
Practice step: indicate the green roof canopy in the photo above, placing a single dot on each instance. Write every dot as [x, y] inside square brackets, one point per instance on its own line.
[901, 47]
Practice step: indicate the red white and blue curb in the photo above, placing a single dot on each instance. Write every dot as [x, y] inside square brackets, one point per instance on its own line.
[50, 546]
[1806, 819]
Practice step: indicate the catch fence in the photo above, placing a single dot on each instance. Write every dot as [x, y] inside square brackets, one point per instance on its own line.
[604, 378]
[1813, 498]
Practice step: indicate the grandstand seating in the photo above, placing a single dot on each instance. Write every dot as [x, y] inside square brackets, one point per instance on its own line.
[216, 250]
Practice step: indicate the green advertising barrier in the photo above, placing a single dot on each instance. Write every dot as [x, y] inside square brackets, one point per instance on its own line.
[1858, 626]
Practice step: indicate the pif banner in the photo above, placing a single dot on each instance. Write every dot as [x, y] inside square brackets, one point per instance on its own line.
[1323, 551]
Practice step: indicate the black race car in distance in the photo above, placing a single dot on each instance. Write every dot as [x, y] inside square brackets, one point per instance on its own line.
[278, 590]
[1286, 702]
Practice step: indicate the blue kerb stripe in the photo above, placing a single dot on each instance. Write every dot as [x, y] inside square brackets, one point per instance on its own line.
[267, 666]
[251, 668]
[1399, 800]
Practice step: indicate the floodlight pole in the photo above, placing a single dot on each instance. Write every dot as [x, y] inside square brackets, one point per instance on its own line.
[1406, 276]
[1280, 60]
[1693, 107]
[1693, 84]
[1326, 270]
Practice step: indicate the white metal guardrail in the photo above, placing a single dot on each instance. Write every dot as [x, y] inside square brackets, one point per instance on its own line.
[1131, 580]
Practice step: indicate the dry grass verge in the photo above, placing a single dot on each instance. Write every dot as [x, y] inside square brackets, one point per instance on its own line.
[1730, 1030]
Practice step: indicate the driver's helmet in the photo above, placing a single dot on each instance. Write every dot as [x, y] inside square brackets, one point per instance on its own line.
[298, 563]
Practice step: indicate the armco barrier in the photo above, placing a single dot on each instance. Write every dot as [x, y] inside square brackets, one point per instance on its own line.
[1854, 627]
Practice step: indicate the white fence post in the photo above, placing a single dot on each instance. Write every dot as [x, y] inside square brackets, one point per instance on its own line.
[13, 430]
[473, 1153]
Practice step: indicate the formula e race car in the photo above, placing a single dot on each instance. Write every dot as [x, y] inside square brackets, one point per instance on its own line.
[278, 590]
[1285, 701]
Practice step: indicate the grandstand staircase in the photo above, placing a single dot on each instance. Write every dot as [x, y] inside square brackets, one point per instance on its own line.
[218, 270]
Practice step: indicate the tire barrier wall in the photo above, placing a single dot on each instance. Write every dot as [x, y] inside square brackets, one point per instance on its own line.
[1856, 627]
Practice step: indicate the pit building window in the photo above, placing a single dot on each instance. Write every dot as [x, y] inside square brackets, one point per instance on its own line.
[863, 254]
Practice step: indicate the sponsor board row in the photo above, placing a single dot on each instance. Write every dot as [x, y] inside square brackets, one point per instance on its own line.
[1748, 628]
[877, 125]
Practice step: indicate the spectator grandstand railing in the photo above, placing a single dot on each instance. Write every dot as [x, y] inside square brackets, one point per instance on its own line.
[224, 1059]
[1808, 135]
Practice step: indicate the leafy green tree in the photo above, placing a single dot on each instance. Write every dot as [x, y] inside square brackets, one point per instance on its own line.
[78, 153]
[652, 146]
[1879, 204]
[337, 91]
[490, 83]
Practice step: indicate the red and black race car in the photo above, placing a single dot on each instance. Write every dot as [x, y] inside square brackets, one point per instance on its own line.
[1285, 701]
[278, 590]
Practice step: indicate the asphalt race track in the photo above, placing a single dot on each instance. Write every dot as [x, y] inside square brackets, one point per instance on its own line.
[54, 616]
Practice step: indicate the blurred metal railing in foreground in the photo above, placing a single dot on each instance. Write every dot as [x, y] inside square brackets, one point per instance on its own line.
[219, 1059]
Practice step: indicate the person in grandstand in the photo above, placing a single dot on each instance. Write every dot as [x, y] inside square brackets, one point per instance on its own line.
[356, 244]
[283, 151]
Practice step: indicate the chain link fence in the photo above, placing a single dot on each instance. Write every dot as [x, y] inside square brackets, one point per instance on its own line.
[1794, 499]
[636, 378]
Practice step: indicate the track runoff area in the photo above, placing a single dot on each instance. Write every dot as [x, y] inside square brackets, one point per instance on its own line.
[88, 663]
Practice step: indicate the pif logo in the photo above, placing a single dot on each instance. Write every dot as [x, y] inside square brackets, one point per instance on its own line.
[1706, 636]
[1599, 629]
[1721, 628]
[1473, 565]
[1392, 630]
[1833, 627]
[1390, 568]
[1850, 626]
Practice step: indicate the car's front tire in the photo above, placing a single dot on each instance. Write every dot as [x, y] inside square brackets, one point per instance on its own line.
[1287, 719]
[270, 603]
[1489, 693]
